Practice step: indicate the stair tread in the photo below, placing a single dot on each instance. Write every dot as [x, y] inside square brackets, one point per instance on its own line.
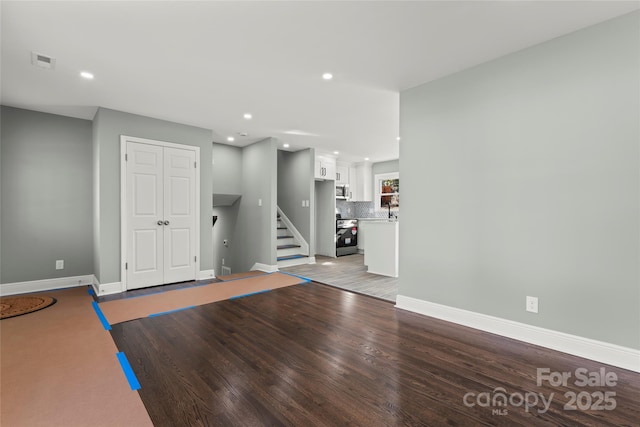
[282, 228]
[284, 258]
[288, 246]
[285, 237]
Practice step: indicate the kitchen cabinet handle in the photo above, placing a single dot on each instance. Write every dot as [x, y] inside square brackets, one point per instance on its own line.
[166, 223]
[159, 222]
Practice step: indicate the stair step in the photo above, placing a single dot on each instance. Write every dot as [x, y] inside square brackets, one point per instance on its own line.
[284, 237]
[296, 256]
[282, 228]
[293, 260]
[288, 246]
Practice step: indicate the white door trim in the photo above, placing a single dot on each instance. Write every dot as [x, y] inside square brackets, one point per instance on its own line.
[123, 199]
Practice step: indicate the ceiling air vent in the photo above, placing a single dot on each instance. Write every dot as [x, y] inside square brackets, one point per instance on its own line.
[43, 61]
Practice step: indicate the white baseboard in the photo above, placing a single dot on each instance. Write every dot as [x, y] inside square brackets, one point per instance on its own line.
[206, 274]
[312, 260]
[102, 289]
[45, 285]
[265, 267]
[612, 354]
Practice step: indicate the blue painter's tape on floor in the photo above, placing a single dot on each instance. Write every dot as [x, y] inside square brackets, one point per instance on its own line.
[103, 320]
[306, 279]
[171, 311]
[90, 291]
[252, 293]
[128, 372]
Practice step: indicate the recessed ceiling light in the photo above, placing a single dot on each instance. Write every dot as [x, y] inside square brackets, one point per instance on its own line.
[86, 75]
[286, 145]
[398, 138]
[327, 76]
[336, 152]
[230, 139]
[247, 116]
[366, 158]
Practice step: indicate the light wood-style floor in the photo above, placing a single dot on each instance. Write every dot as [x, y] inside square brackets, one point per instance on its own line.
[348, 272]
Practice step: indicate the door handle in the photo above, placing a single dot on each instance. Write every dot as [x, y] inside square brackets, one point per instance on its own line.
[166, 223]
[159, 222]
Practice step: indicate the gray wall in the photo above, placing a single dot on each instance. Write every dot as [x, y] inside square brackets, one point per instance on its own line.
[96, 224]
[225, 229]
[227, 169]
[325, 218]
[385, 167]
[522, 177]
[109, 125]
[46, 196]
[255, 233]
[295, 182]
[227, 179]
[1, 194]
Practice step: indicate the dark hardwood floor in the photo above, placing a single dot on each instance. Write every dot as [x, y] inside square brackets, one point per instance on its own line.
[313, 355]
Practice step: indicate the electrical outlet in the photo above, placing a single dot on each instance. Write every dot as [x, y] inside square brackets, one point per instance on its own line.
[60, 264]
[222, 261]
[259, 202]
[532, 304]
[225, 242]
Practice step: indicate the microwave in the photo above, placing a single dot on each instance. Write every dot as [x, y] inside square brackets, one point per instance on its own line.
[342, 192]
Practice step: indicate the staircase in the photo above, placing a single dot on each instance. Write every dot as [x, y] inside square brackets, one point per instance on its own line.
[289, 249]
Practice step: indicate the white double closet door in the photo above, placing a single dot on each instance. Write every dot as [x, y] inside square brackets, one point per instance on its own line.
[161, 214]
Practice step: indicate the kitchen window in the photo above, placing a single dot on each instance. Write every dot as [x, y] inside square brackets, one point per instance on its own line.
[388, 191]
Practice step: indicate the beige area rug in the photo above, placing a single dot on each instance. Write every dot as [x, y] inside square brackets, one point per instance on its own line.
[252, 273]
[59, 368]
[154, 304]
[23, 304]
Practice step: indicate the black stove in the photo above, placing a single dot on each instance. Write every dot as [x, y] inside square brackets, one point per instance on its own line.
[346, 236]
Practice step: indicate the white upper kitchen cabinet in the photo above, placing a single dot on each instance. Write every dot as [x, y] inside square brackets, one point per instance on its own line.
[342, 174]
[361, 183]
[325, 168]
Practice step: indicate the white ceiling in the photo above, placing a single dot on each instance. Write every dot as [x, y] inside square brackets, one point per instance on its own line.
[207, 63]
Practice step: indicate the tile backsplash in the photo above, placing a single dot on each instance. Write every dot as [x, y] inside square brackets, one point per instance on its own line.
[361, 210]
